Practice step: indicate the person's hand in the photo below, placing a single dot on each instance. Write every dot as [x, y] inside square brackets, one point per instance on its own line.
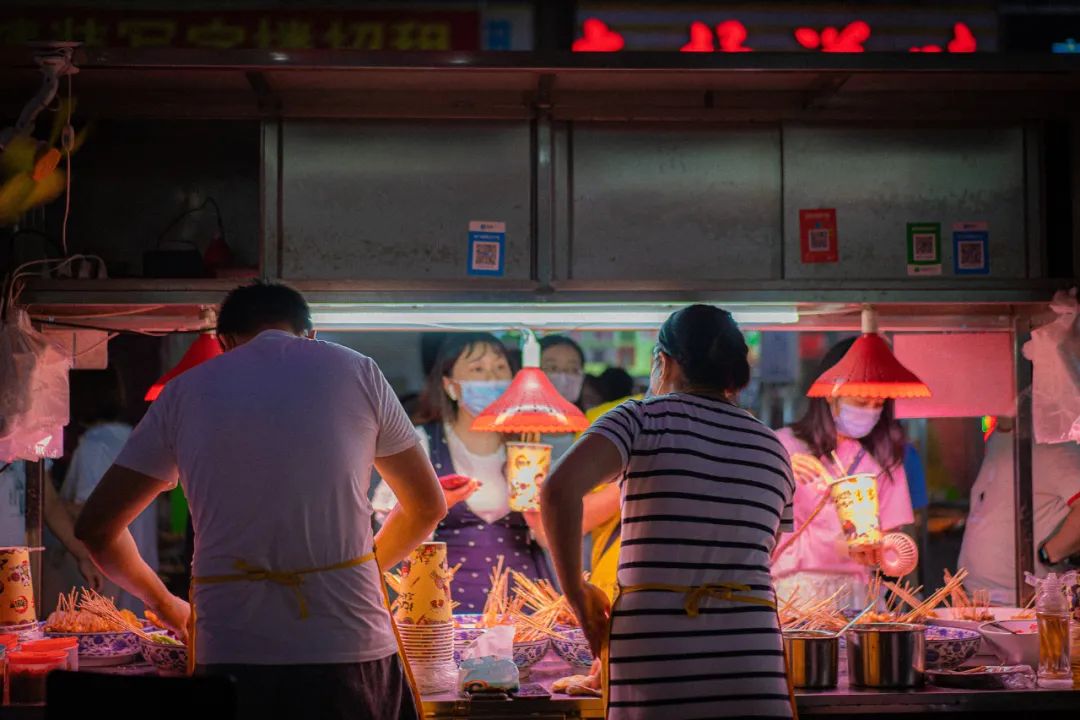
[90, 572]
[594, 681]
[174, 614]
[460, 494]
[593, 611]
[532, 517]
[869, 555]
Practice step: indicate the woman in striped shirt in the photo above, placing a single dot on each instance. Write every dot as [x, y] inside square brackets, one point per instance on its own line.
[705, 488]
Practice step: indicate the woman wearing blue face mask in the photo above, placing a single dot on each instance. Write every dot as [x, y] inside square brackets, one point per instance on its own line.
[865, 436]
[471, 371]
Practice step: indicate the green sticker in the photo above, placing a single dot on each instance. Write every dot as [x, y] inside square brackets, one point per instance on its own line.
[924, 248]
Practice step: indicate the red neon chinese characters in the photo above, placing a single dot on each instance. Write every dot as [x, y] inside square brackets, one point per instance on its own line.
[598, 37]
[701, 39]
[848, 40]
[963, 41]
[732, 34]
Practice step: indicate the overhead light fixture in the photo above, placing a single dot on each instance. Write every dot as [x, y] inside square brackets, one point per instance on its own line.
[546, 316]
[206, 347]
[869, 370]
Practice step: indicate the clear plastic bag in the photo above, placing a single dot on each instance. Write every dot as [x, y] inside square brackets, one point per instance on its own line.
[1054, 350]
[33, 392]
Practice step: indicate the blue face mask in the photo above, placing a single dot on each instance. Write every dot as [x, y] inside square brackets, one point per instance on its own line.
[477, 395]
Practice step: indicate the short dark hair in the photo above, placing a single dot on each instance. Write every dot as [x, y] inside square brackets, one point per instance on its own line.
[550, 341]
[616, 384]
[435, 405]
[256, 306]
[96, 396]
[709, 347]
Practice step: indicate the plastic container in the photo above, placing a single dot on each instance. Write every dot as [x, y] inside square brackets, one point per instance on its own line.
[65, 644]
[26, 675]
[1053, 613]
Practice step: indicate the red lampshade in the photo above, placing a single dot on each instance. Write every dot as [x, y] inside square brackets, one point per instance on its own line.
[531, 405]
[205, 347]
[869, 370]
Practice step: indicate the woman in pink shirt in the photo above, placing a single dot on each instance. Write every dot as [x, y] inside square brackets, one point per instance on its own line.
[865, 435]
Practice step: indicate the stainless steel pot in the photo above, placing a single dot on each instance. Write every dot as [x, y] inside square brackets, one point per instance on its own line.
[887, 655]
[812, 658]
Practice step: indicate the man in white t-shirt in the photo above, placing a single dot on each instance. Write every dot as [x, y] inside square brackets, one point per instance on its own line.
[988, 551]
[274, 444]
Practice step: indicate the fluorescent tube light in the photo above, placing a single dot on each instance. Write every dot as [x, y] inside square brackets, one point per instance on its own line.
[550, 316]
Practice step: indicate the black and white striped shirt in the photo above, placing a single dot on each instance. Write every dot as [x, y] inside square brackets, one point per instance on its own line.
[705, 489]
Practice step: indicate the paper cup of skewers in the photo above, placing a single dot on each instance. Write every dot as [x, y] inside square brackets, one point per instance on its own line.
[856, 501]
[423, 587]
[17, 607]
[423, 613]
[527, 466]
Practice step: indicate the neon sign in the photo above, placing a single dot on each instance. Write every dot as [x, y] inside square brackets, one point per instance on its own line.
[732, 35]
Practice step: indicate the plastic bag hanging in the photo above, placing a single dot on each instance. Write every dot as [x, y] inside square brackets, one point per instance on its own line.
[34, 406]
[1054, 350]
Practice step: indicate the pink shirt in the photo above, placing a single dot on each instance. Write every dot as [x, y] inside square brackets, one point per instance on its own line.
[822, 547]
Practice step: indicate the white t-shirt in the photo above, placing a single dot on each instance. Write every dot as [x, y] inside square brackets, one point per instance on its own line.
[13, 504]
[273, 443]
[989, 548]
[95, 453]
[490, 502]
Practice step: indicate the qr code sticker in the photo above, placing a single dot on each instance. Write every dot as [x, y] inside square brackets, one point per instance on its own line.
[820, 240]
[971, 255]
[486, 256]
[924, 247]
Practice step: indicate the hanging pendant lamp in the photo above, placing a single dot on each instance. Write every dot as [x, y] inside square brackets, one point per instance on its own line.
[869, 370]
[205, 347]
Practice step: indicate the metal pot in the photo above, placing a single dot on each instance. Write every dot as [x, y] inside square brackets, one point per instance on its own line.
[887, 655]
[812, 658]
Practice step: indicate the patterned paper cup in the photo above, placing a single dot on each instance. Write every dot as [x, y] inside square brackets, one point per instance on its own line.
[16, 587]
[856, 500]
[527, 466]
[424, 595]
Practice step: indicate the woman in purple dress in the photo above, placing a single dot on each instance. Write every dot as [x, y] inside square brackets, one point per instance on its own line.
[472, 370]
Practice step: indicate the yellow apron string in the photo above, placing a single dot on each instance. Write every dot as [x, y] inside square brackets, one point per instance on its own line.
[292, 579]
[693, 596]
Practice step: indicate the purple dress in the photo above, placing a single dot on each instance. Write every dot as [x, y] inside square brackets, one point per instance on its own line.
[477, 544]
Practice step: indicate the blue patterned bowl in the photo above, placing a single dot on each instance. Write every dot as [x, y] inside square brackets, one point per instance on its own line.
[573, 647]
[527, 654]
[104, 645]
[463, 638]
[170, 660]
[948, 648]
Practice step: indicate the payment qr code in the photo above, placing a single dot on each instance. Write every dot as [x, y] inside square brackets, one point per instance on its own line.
[486, 256]
[820, 240]
[924, 247]
[971, 255]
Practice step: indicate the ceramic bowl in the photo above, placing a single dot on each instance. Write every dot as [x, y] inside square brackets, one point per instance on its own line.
[464, 637]
[104, 645]
[1020, 649]
[573, 648]
[169, 660]
[527, 654]
[948, 648]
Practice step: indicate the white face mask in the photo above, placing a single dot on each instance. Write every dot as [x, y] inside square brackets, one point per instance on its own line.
[854, 421]
[569, 385]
